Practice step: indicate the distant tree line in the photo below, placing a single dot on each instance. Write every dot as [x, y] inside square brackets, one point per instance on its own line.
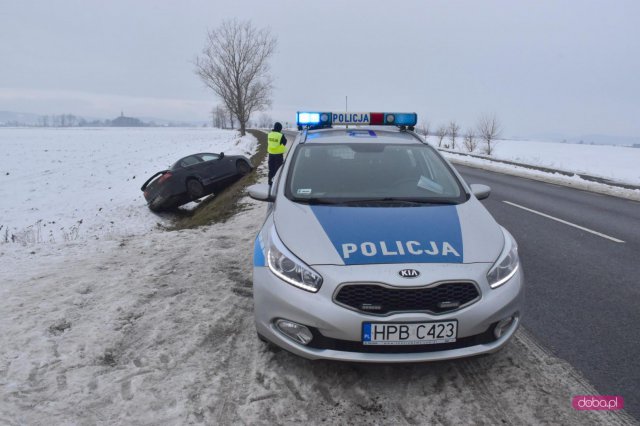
[70, 120]
[222, 118]
[487, 131]
[54, 120]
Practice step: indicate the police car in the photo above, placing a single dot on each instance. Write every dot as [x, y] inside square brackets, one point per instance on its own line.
[374, 249]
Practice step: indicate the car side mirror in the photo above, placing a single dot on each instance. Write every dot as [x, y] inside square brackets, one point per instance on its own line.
[480, 191]
[260, 192]
[221, 155]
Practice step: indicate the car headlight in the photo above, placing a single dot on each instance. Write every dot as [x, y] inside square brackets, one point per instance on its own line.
[289, 268]
[507, 264]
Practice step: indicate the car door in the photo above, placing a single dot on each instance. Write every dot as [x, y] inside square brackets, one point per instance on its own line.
[217, 168]
[191, 167]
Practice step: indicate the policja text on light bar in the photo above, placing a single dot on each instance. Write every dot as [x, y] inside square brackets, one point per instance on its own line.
[357, 118]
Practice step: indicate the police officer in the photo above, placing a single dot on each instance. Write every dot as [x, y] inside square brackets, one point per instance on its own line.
[276, 148]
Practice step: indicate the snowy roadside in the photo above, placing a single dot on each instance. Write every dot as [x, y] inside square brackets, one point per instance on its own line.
[613, 162]
[158, 329]
[574, 181]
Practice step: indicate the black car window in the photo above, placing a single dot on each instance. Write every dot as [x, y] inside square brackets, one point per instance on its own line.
[190, 161]
[209, 157]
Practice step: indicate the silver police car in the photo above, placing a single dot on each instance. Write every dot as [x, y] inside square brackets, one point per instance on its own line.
[374, 249]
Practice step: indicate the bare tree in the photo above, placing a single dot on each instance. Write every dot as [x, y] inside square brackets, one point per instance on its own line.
[213, 118]
[489, 130]
[425, 128]
[230, 118]
[265, 121]
[470, 141]
[235, 65]
[219, 117]
[72, 120]
[454, 128]
[441, 133]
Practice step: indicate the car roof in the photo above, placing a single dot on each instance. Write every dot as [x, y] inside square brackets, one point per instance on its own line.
[197, 154]
[362, 134]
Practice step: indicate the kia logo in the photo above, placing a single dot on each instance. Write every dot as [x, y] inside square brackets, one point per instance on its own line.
[409, 273]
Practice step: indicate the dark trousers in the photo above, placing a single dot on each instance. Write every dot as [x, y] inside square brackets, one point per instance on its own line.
[275, 161]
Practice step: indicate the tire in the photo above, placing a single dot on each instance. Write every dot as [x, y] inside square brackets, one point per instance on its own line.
[243, 168]
[195, 189]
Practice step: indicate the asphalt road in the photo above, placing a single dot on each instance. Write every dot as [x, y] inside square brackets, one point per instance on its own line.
[583, 288]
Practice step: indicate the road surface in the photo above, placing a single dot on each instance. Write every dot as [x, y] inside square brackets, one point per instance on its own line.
[583, 284]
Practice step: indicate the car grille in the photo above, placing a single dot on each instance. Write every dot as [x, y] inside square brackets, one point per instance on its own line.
[381, 300]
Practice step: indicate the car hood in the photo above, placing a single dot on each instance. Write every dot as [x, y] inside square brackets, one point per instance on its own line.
[346, 235]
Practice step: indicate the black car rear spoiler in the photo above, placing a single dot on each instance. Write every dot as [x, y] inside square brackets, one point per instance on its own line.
[144, 186]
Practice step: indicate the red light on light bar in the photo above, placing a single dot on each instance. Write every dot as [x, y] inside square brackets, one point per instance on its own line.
[377, 118]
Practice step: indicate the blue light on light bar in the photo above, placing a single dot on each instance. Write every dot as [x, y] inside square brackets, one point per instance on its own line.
[308, 117]
[401, 118]
[313, 118]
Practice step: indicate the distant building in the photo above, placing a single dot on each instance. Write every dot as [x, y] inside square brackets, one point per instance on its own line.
[123, 121]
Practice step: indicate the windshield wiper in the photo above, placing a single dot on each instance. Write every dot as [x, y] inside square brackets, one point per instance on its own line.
[407, 200]
[383, 200]
[317, 200]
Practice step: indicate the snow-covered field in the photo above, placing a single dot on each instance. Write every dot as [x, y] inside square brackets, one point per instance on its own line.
[613, 162]
[67, 184]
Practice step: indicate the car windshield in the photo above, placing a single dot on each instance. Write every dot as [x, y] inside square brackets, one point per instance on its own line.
[371, 172]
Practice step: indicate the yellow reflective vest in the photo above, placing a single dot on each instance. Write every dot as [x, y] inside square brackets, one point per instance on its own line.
[273, 143]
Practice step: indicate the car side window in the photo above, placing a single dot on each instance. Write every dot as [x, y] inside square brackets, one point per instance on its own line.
[189, 161]
[209, 157]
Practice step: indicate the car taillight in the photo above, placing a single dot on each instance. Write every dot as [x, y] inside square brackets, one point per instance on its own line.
[164, 177]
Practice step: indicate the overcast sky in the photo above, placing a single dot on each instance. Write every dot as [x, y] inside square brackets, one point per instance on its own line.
[567, 67]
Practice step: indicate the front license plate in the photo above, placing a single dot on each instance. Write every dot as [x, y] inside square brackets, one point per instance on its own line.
[405, 333]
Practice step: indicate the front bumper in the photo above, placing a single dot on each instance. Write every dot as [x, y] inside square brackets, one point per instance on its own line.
[338, 329]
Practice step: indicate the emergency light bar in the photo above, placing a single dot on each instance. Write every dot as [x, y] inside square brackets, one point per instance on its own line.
[357, 118]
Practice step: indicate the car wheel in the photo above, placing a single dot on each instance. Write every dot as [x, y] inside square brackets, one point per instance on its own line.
[195, 188]
[243, 168]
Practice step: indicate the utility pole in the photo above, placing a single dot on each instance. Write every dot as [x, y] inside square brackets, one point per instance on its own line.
[346, 106]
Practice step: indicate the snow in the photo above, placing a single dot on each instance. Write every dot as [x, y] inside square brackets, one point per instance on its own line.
[618, 163]
[156, 327]
[67, 184]
[573, 181]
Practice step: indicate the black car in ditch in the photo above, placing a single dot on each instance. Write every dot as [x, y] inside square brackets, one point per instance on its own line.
[193, 177]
